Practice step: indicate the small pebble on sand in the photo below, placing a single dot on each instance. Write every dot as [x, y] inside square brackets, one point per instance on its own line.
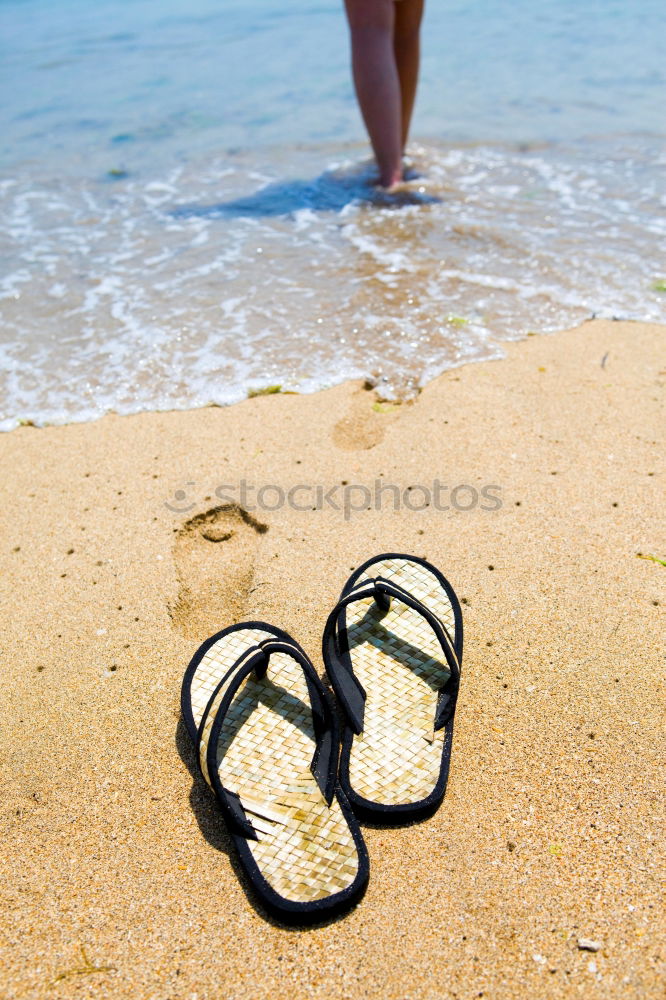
[587, 944]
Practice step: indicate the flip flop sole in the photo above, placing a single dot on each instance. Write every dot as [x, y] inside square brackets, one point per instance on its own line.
[305, 849]
[399, 763]
[309, 860]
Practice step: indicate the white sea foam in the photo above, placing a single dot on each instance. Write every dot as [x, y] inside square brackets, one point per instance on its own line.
[221, 275]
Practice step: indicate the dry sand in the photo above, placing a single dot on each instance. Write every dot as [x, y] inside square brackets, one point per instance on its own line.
[116, 878]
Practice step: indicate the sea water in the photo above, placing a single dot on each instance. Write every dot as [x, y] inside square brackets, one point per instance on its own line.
[188, 210]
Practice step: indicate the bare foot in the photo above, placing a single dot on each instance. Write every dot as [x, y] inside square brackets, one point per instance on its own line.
[392, 181]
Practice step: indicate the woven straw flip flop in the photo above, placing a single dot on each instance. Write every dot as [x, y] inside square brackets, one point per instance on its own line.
[267, 741]
[392, 648]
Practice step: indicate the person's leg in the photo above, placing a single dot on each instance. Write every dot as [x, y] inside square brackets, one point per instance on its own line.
[377, 83]
[408, 15]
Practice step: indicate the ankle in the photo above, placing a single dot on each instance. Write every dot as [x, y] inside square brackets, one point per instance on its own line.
[389, 178]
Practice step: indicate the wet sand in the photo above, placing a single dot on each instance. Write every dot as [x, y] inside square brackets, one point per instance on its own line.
[116, 874]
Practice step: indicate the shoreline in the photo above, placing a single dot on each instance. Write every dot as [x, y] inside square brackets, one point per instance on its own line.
[373, 388]
[120, 882]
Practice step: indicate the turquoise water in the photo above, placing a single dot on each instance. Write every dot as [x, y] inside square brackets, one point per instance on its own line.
[187, 213]
[127, 82]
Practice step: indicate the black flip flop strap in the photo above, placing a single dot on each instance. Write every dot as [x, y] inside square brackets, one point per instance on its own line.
[346, 685]
[211, 703]
[325, 759]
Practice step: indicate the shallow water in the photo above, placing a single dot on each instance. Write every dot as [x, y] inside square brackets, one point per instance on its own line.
[170, 240]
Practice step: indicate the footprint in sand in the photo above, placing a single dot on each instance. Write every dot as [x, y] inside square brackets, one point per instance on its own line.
[214, 556]
[365, 424]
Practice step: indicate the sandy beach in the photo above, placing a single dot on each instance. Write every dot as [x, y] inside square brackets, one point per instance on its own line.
[116, 875]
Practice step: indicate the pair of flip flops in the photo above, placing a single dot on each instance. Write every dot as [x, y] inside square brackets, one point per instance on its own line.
[267, 736]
